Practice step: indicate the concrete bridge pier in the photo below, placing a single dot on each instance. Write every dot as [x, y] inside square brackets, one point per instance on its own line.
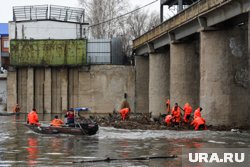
[224, 82]
[158, 82]
[142, 84]
[11, 89]
[184, 73]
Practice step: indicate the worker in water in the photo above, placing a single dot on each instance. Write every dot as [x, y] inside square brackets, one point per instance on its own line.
[33, 118]
[56, 122]
[70, 116]
[197, 112]
[16, 108]
[168, 106]
[124, 113]
[199, 123]
[187, 112]
[168, 120]
[176, 113]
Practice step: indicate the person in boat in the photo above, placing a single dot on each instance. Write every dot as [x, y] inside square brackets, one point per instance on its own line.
[33, 118]
[56, 122]
[187, 112]
[176, 114]
[199, 123]
[197, 112]
[16, 108]
[70, 116]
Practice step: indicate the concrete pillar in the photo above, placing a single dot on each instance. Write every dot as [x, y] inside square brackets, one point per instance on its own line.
[158, 82]
[22, 75]
[224, 83]
[73, 87]
[47, 90]
[12, 90]
[142, 84]
[64, 88]
[39, 89]
[184, 74]
[30, 89]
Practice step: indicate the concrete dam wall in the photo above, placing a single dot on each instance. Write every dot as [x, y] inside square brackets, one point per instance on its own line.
[52, 90]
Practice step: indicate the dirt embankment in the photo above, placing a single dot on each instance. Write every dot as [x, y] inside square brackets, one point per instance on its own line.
[144, 121]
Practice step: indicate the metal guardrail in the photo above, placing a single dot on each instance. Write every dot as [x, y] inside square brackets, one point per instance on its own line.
[183, 17]
[44, 12]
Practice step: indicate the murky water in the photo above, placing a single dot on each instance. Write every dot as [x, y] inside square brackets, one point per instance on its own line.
[22, 147]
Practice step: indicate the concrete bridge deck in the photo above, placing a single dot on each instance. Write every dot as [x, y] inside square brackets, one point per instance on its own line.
[200, 16]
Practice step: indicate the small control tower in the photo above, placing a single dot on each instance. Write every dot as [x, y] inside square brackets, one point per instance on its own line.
[179, 3]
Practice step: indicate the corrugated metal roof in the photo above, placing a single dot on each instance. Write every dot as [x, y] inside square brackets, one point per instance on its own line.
[4, 28]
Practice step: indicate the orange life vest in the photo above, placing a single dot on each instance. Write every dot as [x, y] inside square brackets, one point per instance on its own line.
[124, 113]
[56, 122]
[176, 114]
[197, 113]
[33, 118]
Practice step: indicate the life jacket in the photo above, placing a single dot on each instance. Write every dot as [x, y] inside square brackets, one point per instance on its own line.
[56, 122]
[176, 114]
[33, 118]
[124, 113]
[197, 122]
[188, 109]
[168, 119]
[197, 113]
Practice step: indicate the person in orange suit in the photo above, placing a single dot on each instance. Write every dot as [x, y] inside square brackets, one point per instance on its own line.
[187, 112]
[16, 108]
[199, 123]
[197, 112]
[176, 113]
[168, 106]
[124, 113]
[56, 122]
[33, 118]
[168, 119]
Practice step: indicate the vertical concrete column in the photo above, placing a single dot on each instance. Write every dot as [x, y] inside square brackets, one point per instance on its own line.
[184, 74]
[64, 88]
[47, 90]
[158, 82]
[142, 84]
[11, 90]
[30, 89]
[224, 83]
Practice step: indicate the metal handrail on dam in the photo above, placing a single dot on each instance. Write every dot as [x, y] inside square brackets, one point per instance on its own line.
[193, 12]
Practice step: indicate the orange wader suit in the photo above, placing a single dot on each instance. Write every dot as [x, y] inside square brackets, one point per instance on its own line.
[197, 122]
[56, 122]
[33, 118]
[168, 119]
[176, 115]
[124, 113]
[188, 110]
[197, 113]
[168, 106]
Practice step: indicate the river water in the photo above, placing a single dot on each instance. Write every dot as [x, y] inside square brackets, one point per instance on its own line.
[20, 146]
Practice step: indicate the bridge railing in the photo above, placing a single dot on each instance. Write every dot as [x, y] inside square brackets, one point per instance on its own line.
[183, 17]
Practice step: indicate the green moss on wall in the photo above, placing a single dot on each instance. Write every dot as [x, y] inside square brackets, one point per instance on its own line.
[48, 52]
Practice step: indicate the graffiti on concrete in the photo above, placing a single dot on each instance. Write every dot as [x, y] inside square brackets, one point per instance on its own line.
[241, 77]
[237, 48]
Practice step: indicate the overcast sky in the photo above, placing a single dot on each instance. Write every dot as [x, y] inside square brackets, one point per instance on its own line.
[6, 5]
